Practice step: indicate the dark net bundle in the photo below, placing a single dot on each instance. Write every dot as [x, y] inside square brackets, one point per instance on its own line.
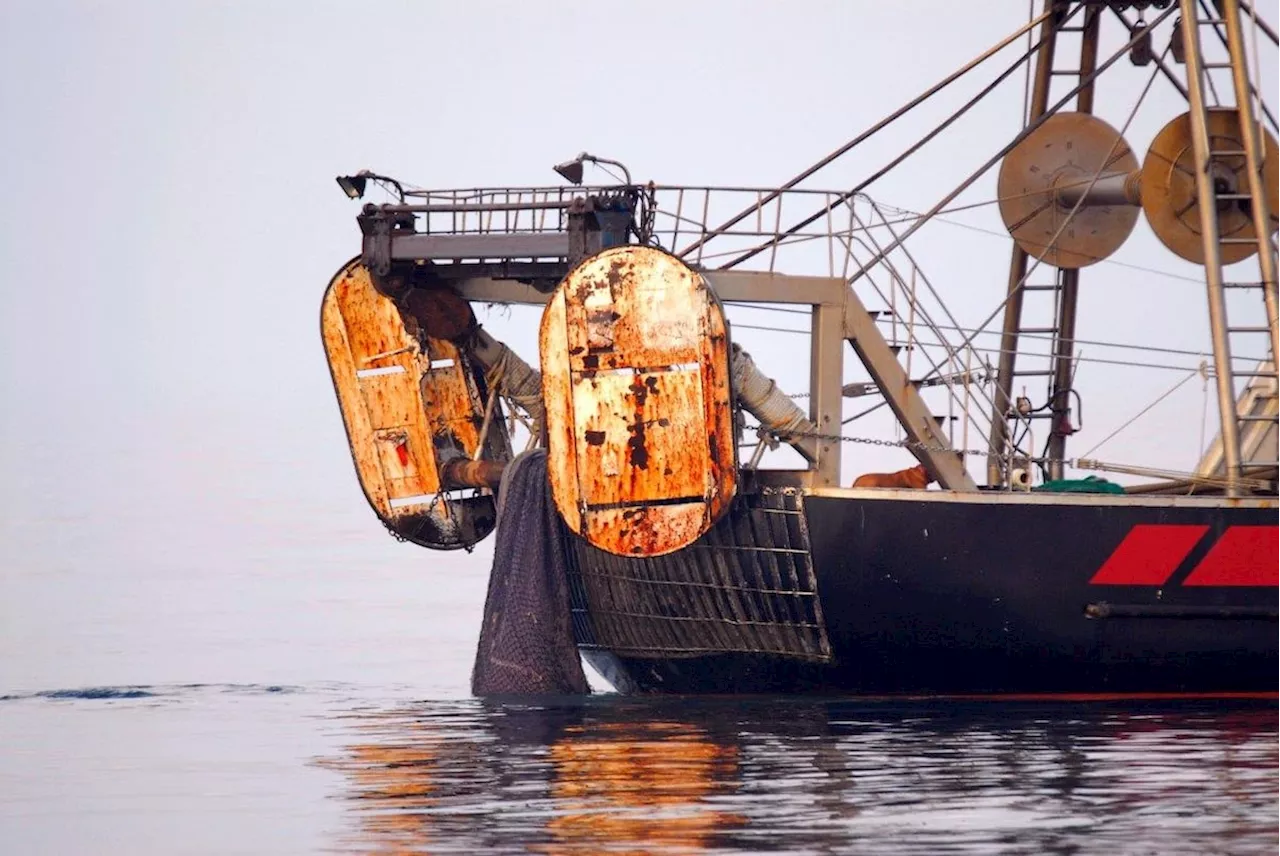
[526, 642]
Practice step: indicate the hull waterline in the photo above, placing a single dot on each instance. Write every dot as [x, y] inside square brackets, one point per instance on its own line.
[944, 595]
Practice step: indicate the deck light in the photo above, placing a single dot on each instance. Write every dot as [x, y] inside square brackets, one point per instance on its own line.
[571, 170]
[354, 185]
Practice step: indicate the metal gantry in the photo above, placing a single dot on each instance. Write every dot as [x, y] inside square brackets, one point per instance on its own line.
[1225, 180]
[1211, 194]
[1064, 288]
[514, 244]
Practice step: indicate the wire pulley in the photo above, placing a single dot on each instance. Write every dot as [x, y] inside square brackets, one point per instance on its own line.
[1071, 191]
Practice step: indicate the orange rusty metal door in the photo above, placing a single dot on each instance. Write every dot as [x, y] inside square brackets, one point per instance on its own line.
[411, 404]
[635, 379]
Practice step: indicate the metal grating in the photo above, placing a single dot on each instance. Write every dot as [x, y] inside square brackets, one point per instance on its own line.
[746, 586]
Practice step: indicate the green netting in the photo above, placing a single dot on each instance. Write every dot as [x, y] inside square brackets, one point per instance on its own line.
[1091, 484]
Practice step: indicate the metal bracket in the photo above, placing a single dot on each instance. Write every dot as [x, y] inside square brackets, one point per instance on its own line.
[375, 247]
[929, 444]
[583, 230]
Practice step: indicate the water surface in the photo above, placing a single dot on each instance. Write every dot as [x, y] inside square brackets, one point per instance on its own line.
[340, 768]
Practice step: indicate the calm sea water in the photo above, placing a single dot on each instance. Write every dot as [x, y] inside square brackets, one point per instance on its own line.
[281, 769]
[184, 673]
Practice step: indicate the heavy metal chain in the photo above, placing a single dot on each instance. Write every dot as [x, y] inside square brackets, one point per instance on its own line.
[868, 441]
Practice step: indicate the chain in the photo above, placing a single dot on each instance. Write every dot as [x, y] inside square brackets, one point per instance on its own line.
[772, 440]
[394, 533]
[871, 441]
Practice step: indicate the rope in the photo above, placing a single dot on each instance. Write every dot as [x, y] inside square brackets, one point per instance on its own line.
[762, 398]
[504, 369]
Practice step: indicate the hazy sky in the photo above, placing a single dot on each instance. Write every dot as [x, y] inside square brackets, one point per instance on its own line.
[170, 222]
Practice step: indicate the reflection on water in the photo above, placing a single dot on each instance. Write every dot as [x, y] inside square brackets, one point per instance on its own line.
[682, 776]
[648, 782]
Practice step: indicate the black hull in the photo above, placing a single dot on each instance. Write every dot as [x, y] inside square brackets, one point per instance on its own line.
[1018, 595]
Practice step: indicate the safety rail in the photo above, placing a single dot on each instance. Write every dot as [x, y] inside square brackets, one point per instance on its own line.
[688, 221]
[722, 228]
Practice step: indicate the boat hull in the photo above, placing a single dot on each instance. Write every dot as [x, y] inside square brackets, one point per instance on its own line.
[932, 593]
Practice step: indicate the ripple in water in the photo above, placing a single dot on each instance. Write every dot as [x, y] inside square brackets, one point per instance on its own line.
[145, 691]
[684, 776]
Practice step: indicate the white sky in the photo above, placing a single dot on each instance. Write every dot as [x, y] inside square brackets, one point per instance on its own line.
[170, 220]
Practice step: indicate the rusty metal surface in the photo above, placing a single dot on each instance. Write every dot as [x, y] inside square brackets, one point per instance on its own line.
[747, 585]
[461, 472]
[439, 311]
[410, 404]
[1169, 188]
[635, 378]
[1068, 150]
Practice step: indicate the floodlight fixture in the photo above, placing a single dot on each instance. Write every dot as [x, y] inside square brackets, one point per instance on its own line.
[571, 170]
[354, 185]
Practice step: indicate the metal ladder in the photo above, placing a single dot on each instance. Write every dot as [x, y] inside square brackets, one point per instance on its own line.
[1205, 156]
[1063, 290]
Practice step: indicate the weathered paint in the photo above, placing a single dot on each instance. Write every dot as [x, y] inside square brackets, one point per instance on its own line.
[635, 378]
[1169, 187]
[1069, 151]
[408, 412]
[462, 472]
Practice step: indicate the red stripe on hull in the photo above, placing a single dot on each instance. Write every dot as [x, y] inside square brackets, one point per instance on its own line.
[1148, 555]
[1243, 556]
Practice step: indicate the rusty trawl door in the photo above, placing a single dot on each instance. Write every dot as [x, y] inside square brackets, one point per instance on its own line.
[635, 374]
[410, 404]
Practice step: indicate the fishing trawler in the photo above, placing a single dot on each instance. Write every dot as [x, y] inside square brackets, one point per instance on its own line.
[694, 568]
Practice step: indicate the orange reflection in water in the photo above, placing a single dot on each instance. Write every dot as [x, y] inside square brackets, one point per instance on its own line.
[640, 788]
[393, 783]
[621, 787]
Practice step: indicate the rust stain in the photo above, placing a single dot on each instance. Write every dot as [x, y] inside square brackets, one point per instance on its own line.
[408, 410]
[440, 311]
[641, 458]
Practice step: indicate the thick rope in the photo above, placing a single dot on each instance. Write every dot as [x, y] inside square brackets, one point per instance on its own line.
[505, 370]
[760, 396]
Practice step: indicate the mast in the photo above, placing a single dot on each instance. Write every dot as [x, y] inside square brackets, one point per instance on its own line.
[1018, 264]
[1069, 282]
[1206, 186]
[1212, 192]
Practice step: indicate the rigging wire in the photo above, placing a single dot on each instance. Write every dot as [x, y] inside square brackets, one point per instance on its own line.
[1102, 344]
[794, 240]
[908, 152]
[1098, 360]
[738, 326]
[1143, 412]
[876, 128]
[1026, 132]
[1119, 137]
[769, 308]
[1128, 265]
[900, 239]
[992, 350]
[863, 413]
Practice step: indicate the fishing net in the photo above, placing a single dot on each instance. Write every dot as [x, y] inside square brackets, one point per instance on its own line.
[526, 641]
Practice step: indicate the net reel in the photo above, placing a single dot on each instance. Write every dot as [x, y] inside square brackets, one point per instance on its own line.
[1078, 161]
